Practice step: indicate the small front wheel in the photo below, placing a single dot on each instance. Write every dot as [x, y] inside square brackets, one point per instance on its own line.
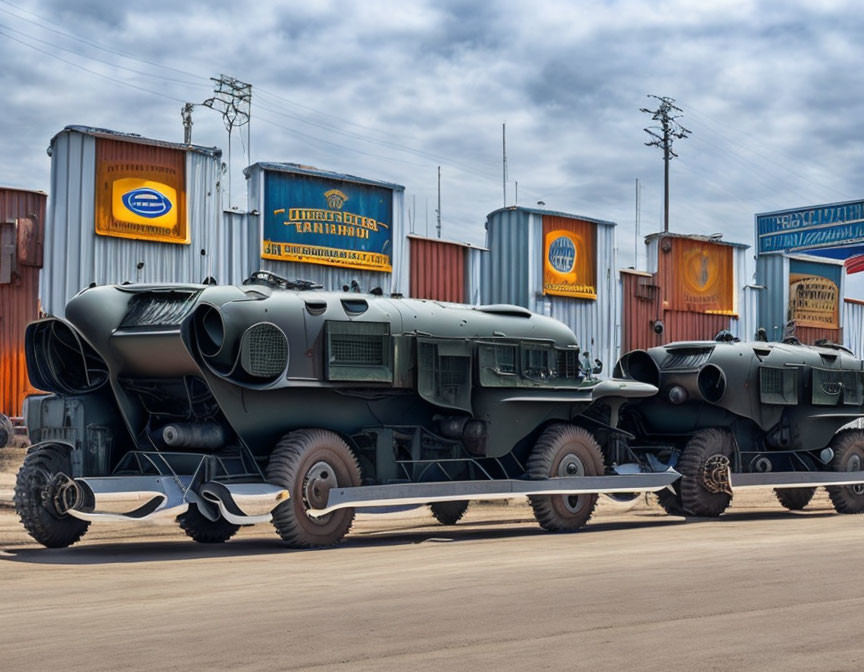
[561, 451]
[309, 463]
[848, 447]
[704, 466]
[203, 530]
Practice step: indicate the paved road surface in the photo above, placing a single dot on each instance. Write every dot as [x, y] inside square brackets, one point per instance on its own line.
[760, 589]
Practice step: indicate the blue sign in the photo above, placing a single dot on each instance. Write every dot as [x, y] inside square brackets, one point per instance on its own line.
[147, 202]
[318, 220]
[821, 226]
[562, 254]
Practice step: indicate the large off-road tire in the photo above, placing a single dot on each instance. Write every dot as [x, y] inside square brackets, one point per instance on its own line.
[7, 431]
[203, 530]
[36, 498]
[564, 450]
[794, 499]
[707, 453]
[848, 447]
[449, 513]
[308, 463]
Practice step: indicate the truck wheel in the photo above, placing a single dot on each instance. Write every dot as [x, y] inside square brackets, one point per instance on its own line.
[848, 446]
[704, 467]
[308, 463]
[794, 499]
[449, 513]
[7, 431]
[203, 530]
[39, 498]
[564, 450]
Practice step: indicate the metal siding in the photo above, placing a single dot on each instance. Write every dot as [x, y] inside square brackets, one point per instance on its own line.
[810, 335]
[639, 310]
[853, 327]
[19, 304]
[475, 275]
[513, 273]
[334, 277]
[772, 272]
[437, 270]
[75, 256]
[687, 326]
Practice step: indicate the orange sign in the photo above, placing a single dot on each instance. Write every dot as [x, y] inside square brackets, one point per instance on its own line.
[702, 277]
[141, 192]
[569, 257]
[814, 301]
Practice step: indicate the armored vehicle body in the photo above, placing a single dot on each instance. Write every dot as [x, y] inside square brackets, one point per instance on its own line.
[221, 406]
[731, 415]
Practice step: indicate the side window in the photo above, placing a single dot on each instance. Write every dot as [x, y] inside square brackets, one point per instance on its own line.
[444, 372]
[778, 386]
[527, 364]
[359, 352]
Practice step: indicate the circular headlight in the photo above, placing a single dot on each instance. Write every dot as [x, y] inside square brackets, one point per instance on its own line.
[677, 394]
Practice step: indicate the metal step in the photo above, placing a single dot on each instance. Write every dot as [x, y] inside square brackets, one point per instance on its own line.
[795, 479]
[449, 491]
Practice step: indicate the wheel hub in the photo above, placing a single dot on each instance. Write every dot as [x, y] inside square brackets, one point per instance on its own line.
[715, 475]
[571, 466]
[318, 482]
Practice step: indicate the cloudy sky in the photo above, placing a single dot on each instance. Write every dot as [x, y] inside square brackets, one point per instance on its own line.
[771, 91]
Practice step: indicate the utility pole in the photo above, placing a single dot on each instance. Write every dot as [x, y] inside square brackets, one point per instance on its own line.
[504, 159]
[438, 211]
[636, 235]
[517, 193]
[669, 130]
[186, 115]
[233, 99]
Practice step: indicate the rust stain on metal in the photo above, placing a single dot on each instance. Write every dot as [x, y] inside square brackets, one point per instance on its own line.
[21, 212]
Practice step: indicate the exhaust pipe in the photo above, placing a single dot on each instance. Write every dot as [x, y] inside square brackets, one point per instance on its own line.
[128, 499]
[244, 503]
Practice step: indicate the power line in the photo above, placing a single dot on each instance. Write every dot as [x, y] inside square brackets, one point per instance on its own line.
[92, 72]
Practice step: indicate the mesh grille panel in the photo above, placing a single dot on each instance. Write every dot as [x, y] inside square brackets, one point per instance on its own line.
[350, 349]
[264, 351]
[686, 359]
[158, 309]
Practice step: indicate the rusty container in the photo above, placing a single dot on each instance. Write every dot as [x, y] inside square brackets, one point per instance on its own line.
[22, 235]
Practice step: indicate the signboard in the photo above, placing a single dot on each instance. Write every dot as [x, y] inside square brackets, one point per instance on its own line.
[569, 257]
[814, 294]
[140, 192]
[820, 226]
[702, 277]
[318, 220]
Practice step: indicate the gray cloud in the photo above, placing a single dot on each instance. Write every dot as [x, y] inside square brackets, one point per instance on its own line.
[771, 92]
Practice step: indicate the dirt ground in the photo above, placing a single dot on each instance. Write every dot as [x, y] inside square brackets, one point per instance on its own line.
[759, 589]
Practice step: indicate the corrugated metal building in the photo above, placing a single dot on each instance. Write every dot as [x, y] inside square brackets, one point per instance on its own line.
[329, 276]
[441, 269]
[22, 235]
[512, 271]
[714, 301]
[776, 272]
[75, 255]
[853, 326]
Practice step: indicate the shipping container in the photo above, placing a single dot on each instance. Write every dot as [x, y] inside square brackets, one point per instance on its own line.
[693, 289]
[22, 235]
[556, 264]
[440, 269]
[803, 297]
[127, 208]
[330, 228]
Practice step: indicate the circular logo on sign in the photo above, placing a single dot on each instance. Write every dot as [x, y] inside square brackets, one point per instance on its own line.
[701, 271]
[147, 202]
[562, 254]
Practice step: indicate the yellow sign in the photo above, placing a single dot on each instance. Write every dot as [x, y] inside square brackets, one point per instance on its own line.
[569, 258]
[814, 301]
[144, 202]
[140, 192]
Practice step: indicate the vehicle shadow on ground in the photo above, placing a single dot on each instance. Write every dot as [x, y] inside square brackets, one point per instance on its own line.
[140, 551]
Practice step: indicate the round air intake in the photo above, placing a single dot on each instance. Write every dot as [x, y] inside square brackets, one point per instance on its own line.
[638, 365]
[264, 351]
[210, 330]
[712, 383]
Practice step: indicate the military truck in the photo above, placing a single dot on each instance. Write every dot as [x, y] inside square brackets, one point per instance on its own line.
[731, 416]
[222, 406]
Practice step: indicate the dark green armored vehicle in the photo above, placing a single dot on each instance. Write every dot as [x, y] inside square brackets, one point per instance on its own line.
[220, 406]
[731, 416]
